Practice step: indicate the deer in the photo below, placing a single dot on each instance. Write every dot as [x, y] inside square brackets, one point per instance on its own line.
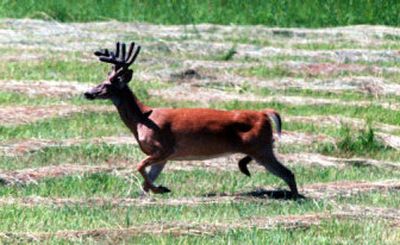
[165, 134]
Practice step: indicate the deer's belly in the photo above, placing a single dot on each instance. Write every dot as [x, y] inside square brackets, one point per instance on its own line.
[197, 149]
[196, 157]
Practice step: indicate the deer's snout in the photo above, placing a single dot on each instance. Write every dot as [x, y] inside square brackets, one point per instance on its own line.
[88, 95]
[93, 93]
[101, 91]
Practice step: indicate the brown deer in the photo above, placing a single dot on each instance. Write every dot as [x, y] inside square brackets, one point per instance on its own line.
[187, 133]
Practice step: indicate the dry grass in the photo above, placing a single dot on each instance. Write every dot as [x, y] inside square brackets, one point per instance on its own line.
[191, 228]
[17, 115]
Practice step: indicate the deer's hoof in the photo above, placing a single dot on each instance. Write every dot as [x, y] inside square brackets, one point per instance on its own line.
[298, 197]
[161, 190]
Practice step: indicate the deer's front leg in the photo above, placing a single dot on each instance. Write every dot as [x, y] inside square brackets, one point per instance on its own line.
[155, 170]
[157, 164]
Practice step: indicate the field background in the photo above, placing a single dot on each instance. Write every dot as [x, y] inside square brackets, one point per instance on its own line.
[67, 165]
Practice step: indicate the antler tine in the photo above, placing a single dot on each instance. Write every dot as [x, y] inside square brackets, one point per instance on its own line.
[112, 60]
[102, 52]
[133, 57]
[123, 51]
[131, 46]
[117, 49]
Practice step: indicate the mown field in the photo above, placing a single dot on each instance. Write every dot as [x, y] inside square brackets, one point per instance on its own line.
[68, 165]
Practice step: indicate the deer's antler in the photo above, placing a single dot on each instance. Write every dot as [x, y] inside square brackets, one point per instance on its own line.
[120, 58]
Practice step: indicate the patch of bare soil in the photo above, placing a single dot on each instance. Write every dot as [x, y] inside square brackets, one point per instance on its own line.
[62, 89]
[16, 115]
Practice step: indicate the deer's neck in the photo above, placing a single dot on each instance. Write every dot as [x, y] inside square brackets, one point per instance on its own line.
[131, 109]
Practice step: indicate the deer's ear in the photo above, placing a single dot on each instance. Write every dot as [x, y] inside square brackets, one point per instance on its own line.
[147, 113]
[127, 76]
[122, 79]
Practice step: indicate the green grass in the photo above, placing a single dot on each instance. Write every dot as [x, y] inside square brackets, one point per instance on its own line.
[13, 99]
[382, 199]
[350, 142]
[359, 142]
[83, 125]
[310, 13]
[346, 95]
[75, 217]
[84, 153]
[181, 182]
[266, 72]
[55, 70]
[344, 45]
[281, 71]
[372, 113]
[329, 232]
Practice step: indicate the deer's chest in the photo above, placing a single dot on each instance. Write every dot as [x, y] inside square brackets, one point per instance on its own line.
[147, 139]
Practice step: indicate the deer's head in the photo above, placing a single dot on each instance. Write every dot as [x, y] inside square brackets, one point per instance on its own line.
[120, 74]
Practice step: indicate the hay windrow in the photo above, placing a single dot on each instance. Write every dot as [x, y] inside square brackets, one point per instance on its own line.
[178, 228]
[206, 96]
[175, 228]
[14, 148]
[319, 191]
[123, 168]
[339, 121]
[17, 115]
[62, 89]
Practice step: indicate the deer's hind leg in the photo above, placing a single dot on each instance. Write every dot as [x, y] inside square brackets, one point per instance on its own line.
[269, 161]
[243, 165]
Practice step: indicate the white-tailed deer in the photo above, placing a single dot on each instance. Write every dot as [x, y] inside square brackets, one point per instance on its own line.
[187, 134]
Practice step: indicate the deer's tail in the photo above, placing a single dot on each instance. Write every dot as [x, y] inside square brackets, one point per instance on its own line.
[274, 115]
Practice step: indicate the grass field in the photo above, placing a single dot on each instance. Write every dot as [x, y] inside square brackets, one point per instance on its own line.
[283, 13]
[67, 165]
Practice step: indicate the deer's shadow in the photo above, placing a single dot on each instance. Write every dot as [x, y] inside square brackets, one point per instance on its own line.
[263, 194]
